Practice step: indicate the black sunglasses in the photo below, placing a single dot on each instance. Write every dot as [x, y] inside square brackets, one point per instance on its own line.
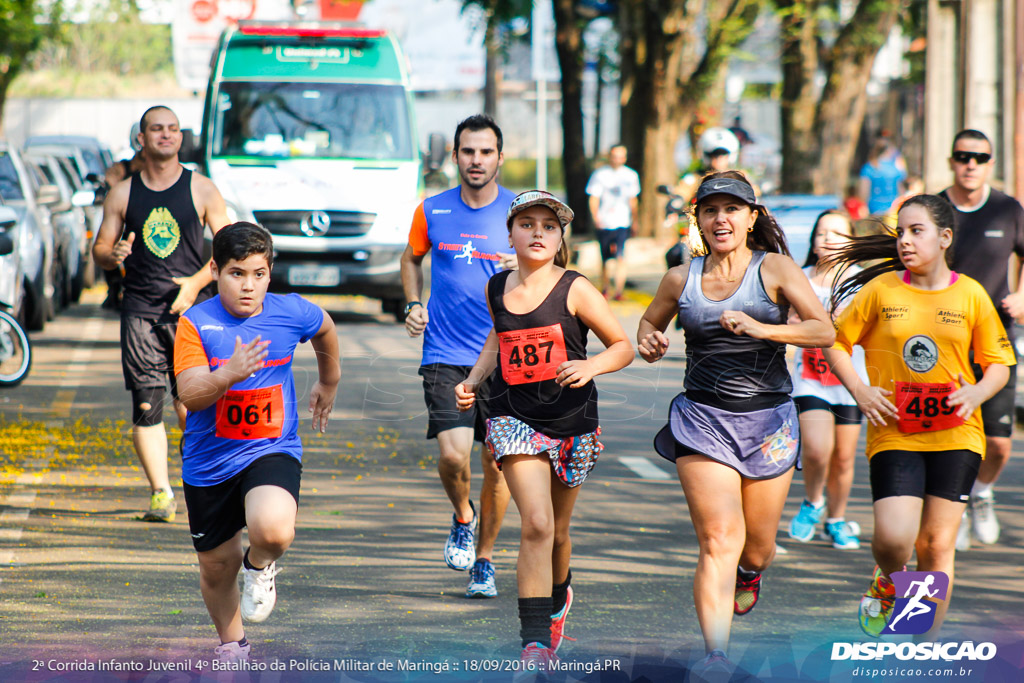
[961, 157]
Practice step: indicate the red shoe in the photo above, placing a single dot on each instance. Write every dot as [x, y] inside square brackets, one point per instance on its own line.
[747, 593]
[558, 623]
[536, 660]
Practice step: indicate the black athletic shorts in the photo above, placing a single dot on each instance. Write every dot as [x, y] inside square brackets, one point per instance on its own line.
[844, 415]
[997, 413]
[613, 242]
[439, 382]
[216, 513]
[943, 474]
[147, 353]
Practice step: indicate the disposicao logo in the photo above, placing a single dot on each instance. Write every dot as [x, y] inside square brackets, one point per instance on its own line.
[914, 613]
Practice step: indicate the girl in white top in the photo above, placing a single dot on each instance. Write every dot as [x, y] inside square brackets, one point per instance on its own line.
[829, 417]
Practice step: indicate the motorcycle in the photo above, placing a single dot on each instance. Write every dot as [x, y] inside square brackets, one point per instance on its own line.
[15, 350]
[676, 217]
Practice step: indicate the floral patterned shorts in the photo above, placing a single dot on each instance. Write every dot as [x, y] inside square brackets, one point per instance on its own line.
[572, 457]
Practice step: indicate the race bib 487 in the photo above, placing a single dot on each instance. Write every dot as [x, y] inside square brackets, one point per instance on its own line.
[531, 355]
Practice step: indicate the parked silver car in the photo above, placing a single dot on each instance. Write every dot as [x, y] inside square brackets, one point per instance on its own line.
[12, 277]
[71, 229]
[36, 250]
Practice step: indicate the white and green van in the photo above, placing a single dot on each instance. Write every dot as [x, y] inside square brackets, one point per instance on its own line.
[308, 130]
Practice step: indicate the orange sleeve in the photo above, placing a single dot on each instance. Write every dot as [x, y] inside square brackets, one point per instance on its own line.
[188, 347]
[418, 239]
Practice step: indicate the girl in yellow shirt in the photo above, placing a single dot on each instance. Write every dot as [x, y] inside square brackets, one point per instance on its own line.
[918, 323]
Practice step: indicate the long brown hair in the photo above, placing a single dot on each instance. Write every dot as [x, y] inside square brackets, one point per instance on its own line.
[766, 235]
[884, 248]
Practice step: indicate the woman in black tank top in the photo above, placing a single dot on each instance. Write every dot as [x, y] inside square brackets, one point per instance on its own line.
[543, 404]
[733, 433]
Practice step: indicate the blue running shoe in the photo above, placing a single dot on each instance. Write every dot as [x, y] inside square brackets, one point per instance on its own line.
[460, 549]
[841, 535]
[481, 580]
[802, 526]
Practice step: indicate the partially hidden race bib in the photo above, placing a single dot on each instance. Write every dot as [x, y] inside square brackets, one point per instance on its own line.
[531, 355]
[817, 369]
[251, 414]
[924, 407]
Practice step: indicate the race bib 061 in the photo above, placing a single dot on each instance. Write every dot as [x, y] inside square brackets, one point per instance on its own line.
[251, 414]
[531, 355]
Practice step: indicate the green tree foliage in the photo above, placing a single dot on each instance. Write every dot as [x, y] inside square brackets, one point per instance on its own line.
[497, 13]
[115, 40]
[23, 28]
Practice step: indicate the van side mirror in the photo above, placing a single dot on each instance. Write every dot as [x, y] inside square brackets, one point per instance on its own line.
[83, 198]
[436, 152]
[190, 152]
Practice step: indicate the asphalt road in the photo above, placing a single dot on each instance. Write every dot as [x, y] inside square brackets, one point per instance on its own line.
[364, 593]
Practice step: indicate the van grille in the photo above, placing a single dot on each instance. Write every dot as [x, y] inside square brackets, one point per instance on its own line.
[343, 223]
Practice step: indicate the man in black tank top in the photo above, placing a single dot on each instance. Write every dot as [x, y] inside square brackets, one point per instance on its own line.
[990, 226]
[153, 224]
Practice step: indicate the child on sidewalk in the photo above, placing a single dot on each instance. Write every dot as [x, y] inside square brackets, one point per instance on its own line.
[543, 428]
[241, 453]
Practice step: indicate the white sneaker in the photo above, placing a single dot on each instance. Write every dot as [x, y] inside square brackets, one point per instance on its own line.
[963, 534]
[232, 652]
[986, 525]
[259, 593]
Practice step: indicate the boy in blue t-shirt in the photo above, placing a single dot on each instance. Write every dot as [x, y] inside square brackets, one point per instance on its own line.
[241, 453]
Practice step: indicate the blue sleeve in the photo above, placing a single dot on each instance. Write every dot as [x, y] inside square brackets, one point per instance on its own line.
[310, 315]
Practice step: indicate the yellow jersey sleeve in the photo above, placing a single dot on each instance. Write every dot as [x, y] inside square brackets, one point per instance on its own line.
[856, 320]
[989, 342]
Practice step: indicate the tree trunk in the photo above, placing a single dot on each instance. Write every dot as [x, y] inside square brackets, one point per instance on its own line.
[668, 80]
[491, 61]
[819, 132]
[844, 100]
[569, 47]
[799, 98]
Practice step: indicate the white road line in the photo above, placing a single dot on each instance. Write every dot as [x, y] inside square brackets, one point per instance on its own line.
[644, 467]
[20, 505]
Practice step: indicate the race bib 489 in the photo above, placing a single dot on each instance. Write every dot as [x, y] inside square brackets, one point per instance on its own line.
[924, 407]
[251, 414]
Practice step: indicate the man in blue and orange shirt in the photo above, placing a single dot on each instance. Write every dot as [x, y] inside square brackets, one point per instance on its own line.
[464, 230]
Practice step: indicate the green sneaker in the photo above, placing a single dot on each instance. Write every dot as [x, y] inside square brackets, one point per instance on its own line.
[876, 605]
[162, 507]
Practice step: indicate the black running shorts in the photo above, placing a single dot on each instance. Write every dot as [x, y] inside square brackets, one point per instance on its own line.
[147, 353]
[439, 382]
[612, 242]
[216, 513]
[997, 413]
[844, 415]
[943, 474]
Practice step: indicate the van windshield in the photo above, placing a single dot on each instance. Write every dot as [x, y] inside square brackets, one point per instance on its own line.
[335, 120]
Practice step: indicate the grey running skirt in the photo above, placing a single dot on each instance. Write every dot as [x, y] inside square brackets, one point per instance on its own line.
[761, 444]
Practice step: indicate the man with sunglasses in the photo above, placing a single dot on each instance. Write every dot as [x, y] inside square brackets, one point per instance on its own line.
[990, 225]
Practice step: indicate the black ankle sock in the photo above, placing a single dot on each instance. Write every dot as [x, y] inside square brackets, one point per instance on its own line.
[535, 620]
[241, 643]
[247, 564]
[559, 592]
[746, 575]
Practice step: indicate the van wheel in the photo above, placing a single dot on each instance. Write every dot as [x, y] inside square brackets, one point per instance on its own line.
[395, 307]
